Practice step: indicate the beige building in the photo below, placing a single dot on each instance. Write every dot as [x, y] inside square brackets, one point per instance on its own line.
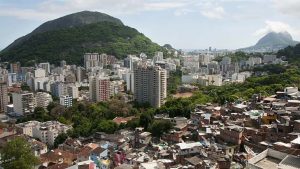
[43, 99]
[3, 97]
[46, 132]
[24, 103]
[150, 84]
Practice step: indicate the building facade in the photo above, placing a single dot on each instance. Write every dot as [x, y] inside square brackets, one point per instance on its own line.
[24, 103]
[3, 97]
[43, 99]
[150, 84]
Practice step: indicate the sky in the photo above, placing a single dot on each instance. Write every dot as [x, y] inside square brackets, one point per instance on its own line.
[185, 24]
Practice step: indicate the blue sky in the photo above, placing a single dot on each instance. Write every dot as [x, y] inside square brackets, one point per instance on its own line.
[185, 24]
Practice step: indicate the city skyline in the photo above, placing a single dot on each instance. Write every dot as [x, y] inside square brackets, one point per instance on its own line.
[185, 24]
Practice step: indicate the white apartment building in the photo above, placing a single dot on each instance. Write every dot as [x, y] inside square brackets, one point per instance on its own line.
[191, 62]
[24, 103]
[204, 59]
[11, 79]
[129, 78]
[96, 60]
[130, 61]
[66, 101]
[150, 84]
[46, 132]
[43, 99]
[158, 57]
[72, 91]
[254, 61]
[214, 80]
[46, 67]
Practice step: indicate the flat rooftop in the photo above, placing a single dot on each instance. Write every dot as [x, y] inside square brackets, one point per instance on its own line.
[268, 163]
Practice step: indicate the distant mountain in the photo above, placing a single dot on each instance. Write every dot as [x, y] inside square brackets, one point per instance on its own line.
[69, 37]
[272, 42]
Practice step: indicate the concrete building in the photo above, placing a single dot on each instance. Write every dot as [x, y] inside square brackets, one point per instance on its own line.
[43, 99]
[11, 79]
[73, 91]
[46, 132]
[46, 67]
[214, 80]
[254, 61]
[99, 88]
[38, 73]
[158, 57]
[15, 67]
[272, 159]
[3, 98]
[24, 103]
[97, 60]
[102, 88]
[58, 89]
[232, 134]
[131, 61]
[150, 84]
[66, 101]
[205, 59]
[269, 58]
[129, 78]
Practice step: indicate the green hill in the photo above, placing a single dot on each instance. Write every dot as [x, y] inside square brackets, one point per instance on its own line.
[292, 54]
[69, 37]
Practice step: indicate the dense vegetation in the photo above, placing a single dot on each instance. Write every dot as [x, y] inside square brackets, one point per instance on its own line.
[174, 81]
[70, 44]
[292, 54]
[17, 154]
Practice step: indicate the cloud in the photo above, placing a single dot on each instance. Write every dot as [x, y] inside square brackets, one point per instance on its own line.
[288, 7]
[276, 26]
[184, 11]
[50, 9]
[211, 9]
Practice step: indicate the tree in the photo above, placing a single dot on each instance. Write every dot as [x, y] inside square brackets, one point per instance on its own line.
[17, 154]
[25, 87]
[146, 119]
[159, 127]
[40, 114]
[61, 138]
[107, 126]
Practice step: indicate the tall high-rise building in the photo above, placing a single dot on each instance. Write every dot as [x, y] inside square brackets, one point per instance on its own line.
[24, 103]
[150, 84]
[3, 97]
[99, 88]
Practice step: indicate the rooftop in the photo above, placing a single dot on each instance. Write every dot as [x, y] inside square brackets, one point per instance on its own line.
[189, 145]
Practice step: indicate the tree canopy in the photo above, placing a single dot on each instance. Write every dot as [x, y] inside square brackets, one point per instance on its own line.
[17, 154]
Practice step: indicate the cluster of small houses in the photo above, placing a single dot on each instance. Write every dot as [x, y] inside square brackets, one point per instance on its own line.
[259, 133]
